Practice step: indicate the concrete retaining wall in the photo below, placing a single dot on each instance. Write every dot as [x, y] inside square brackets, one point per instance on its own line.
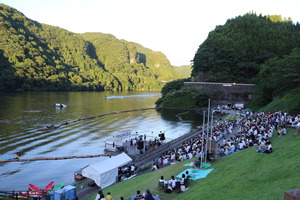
[225, 92]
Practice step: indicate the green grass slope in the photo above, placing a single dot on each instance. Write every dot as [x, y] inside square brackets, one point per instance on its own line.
[243, 175]
[289, 102]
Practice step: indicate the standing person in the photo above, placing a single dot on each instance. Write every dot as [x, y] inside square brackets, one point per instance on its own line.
[132, 169]
[109, 197]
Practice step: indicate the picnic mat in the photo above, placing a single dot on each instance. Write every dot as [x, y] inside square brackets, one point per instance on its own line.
[196, 173]
[205, 165]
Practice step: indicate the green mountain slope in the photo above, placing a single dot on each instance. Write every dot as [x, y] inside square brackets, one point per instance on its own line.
[235, 51]
[131, 61]
[36, 56]
[184, 70]
[264, 50]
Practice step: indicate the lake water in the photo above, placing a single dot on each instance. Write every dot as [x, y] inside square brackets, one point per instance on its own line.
[23, 114]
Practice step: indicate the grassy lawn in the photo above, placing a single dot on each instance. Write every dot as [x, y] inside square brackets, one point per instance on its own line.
[243, 175]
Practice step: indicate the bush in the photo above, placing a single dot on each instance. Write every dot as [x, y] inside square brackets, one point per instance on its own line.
[185, 97]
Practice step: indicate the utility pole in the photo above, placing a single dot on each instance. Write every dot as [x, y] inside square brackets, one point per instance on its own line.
[207, 132]
[202, 139]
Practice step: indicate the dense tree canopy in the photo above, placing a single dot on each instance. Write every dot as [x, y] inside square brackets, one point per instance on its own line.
[36, 56]
[235, 51]
[277, 77]
[255, 49]
[176, 95]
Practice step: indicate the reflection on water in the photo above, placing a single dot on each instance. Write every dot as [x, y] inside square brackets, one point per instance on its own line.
[23, 114]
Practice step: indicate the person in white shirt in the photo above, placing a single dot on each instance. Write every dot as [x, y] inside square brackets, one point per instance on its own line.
[173, 182]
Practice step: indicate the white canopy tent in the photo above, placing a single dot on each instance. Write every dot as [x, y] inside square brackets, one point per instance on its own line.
[105, 173]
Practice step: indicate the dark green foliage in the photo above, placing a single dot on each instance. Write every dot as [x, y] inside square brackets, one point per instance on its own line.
[36, 56]
[136, 67]
[254, 49]
[173, 85]
[179, 96]
[279, 78]
[289, 102]
[235, 51]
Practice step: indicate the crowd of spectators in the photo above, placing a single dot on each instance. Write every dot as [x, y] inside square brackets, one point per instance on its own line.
[252, 129]
[256, 129]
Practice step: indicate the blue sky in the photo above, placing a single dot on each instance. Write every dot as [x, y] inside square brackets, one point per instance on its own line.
[174, 27]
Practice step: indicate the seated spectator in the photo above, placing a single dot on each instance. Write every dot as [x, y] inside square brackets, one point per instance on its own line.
[241, 145]
[154, 167]
[182, 180]
[99, 194]
[187, 174]
[182, 189]
[173, 162]
[261, 147]
[161, 182]
[226, 152]
[269, 148]
[221, 152]
[102, 197]
[108, 196]
[279, 129]
[283, 131]
[165, 161]
[297, 127]
[210, 156]
[169, 188]
[232, 148]
[139, 196]
[173, 182]
[148, 195]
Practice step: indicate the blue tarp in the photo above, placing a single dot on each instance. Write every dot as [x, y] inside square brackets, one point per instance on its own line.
[196, 173]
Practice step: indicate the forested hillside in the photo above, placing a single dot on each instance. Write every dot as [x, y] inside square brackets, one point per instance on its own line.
[264, 50]
[132, 64]
[235, 51]
[184, 70]
[35, 56]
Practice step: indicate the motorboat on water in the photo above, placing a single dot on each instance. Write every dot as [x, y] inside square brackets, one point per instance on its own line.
[59, 105]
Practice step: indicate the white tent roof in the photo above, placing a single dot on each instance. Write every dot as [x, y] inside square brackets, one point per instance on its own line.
[104, 173]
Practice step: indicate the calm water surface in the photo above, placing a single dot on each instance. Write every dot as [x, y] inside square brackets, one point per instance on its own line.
[23, 114]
